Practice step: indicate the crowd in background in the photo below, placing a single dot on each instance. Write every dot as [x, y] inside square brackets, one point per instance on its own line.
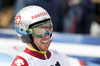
[68, 16]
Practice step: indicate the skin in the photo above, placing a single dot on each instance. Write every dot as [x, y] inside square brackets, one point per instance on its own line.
[42, 43]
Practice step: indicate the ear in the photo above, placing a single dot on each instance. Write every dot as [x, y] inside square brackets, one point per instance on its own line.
[26, 39]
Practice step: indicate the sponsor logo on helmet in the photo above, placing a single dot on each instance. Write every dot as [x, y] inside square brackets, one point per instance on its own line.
[39, 15]
[18, 19]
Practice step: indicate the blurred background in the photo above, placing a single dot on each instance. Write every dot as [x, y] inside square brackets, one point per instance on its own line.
[76, 28]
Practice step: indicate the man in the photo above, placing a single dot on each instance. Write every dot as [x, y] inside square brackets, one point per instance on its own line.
[34, 27]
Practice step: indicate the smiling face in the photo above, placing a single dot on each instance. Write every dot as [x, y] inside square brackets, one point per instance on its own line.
[42, 43]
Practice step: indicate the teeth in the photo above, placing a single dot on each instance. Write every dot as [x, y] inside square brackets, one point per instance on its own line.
[45, 41]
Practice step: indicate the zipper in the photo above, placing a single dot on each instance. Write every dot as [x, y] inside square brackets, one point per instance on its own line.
[45, 56]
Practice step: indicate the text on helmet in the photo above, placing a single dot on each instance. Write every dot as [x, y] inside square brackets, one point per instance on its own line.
[39, 15]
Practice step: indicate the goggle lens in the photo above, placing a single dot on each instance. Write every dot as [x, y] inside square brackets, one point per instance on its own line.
[42, 29]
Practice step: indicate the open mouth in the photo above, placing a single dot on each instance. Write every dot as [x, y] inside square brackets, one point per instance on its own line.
[45, 42]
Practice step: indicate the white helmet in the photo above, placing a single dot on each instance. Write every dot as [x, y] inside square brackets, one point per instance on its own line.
[27, 16]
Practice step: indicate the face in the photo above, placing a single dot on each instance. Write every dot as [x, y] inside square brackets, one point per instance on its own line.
[42, 43]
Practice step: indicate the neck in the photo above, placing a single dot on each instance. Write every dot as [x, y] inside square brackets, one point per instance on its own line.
[29, 46]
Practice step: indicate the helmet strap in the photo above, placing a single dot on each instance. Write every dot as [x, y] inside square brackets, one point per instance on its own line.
[32, 43]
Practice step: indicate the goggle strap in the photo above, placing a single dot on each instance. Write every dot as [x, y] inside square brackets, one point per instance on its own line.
[24, 31]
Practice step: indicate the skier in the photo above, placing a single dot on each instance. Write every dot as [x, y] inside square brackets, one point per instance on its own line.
[34, 27]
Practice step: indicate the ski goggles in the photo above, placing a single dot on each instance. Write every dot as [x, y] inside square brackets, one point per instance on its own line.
[39, 30]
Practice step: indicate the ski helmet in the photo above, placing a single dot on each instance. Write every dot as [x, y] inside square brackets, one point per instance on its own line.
[27, 17]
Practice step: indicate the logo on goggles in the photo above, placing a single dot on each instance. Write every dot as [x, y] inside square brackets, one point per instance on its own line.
[39, 15]
[18, 19]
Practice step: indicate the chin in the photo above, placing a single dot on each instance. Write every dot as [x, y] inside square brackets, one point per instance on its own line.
[45, 50]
